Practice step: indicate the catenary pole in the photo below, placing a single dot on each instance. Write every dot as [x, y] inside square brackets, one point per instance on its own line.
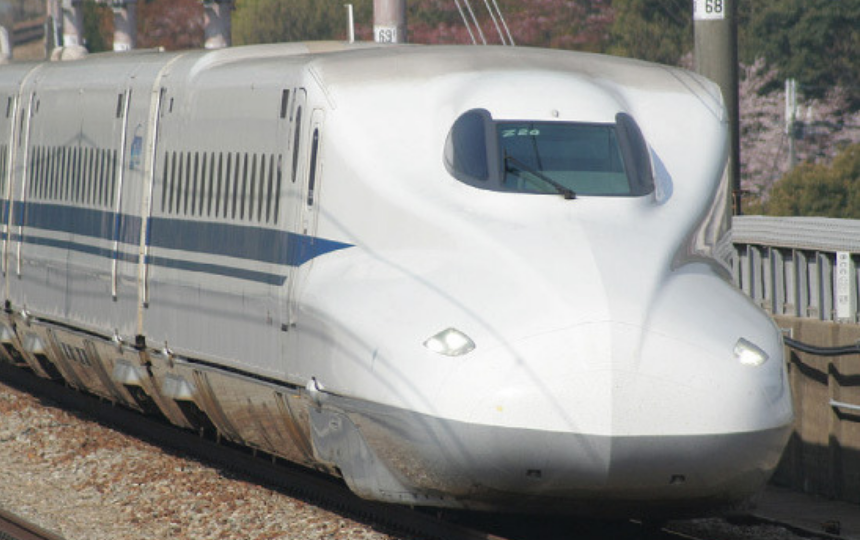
[73, 23]
[716, 56]
[124, 25]
[218, 23]
[389, 21]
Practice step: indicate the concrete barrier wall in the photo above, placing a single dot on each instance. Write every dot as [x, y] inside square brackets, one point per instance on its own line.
[823, 455]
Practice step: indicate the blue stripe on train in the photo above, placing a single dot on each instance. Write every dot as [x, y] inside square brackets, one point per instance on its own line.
[209, 238]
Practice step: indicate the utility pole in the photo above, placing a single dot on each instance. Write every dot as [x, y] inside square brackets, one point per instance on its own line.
[124, 24]
[715, 26]
[73, 23]
[53, 27]
[389, 21]
[791, 119]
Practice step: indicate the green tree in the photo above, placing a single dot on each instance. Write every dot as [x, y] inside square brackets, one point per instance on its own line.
[820, 189]
[816, 42]
[272, 21]
[655, 30]
[95, 32]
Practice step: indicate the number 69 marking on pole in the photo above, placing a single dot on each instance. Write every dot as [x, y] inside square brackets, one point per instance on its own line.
[385, 34]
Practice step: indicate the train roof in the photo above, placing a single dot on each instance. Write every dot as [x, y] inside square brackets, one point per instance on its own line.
[345, 63]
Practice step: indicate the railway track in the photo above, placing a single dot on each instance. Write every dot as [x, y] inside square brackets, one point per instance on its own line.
[13, 527]
[324, 492]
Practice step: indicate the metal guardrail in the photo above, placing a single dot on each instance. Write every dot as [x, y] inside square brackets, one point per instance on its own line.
[804, 271]
[798, 267]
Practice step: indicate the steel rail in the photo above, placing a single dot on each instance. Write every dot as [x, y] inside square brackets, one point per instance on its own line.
[13, 527]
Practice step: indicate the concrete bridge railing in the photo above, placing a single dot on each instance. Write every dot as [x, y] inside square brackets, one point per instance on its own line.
[804, 271]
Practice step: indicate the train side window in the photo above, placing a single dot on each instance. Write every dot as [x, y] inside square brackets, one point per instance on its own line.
[31, 188]
[100, 165]
[69, 176]
[296, 138]
[88, 174]
[201, 196]
[82, 175]
[83, 159]
[170, 183]
[218, 195]
[195, 183]
[68, 179]
[211, 179]
[186, 184]
[43, 172]
[3, 150]
[312, 175]
[228, 171]
[243, 201]
[165, 181]
[34, 171]
[76, 174]
[58, 165]
[252, 189]
[112, 177]
[176, 196]
[92, 191]
[278, 189]
[61, 171]
[261, 181]
[62, 179]
[285, 100]
[96, 178]
[237, 172]
[271, 182]
[49, 172]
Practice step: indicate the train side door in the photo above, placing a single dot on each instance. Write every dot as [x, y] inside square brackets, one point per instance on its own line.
[311, 188]
[7, 160]
[308, 204]
[22, 172]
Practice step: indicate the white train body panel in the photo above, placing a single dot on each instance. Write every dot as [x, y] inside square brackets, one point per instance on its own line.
[291, 225]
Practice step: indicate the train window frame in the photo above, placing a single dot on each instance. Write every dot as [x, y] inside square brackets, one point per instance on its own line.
[473, 147]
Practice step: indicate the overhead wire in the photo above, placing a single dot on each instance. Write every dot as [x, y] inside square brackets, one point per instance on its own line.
[466, 22]
[475, 20]
[505, 25]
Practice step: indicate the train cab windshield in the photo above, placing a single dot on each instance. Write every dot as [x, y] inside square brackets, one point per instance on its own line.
[567, 158]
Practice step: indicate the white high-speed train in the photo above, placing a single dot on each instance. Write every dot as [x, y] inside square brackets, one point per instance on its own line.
[468, 277]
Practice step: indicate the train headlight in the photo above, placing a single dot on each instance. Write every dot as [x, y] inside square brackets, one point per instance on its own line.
[749, 354]
[450, 342]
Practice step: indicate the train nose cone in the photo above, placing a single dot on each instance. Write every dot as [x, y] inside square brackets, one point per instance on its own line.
[633, 417]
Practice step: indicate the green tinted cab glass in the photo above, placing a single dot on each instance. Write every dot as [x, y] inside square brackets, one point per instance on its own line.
[584, 158]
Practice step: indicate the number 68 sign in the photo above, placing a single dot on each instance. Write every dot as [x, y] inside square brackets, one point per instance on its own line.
[709, 10]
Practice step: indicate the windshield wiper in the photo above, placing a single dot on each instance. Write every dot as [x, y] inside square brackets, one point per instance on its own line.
[513, 165]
